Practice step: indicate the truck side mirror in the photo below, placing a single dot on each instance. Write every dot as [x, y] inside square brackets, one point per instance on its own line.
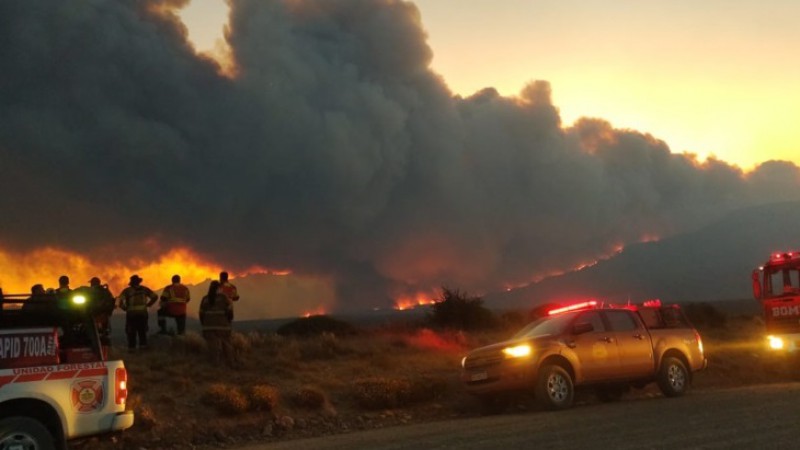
[757, 285]
[581, 328]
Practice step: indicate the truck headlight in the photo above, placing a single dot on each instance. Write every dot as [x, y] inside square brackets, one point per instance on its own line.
[775, 342]
[517, 351]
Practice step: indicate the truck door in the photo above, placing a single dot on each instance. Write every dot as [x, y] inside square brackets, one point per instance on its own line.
[633, 344]
[596, 350]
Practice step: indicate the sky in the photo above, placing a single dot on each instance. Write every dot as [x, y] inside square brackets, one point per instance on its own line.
[330, 158]
[712, 78]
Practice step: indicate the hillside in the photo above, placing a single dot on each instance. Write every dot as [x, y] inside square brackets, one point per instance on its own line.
[288, 388]
[710, 264]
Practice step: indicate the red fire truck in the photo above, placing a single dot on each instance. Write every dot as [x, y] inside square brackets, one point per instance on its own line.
[776, 285]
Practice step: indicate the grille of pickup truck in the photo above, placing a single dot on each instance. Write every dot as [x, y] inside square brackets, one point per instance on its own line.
[483, 359]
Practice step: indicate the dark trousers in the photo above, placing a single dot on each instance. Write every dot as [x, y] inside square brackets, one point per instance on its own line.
[180, 321]
[136, 326]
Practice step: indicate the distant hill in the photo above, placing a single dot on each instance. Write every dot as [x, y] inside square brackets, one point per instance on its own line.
[710, 264]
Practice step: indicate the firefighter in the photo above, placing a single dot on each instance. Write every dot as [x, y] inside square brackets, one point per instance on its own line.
[134, 300]
[63, 285]
[173, 304]
[215, 319]
[229, 290]
[105, 307]
[37, 289]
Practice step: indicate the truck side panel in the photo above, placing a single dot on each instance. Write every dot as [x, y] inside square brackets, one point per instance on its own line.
[83, 395]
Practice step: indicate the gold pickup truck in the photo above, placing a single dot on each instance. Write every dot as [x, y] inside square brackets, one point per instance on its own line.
[608, 348]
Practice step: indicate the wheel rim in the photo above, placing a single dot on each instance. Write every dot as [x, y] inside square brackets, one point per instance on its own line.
[677, 377]
[18, 440]
[557, 387]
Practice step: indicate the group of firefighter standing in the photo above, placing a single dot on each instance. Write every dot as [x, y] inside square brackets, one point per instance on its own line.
[216, 310]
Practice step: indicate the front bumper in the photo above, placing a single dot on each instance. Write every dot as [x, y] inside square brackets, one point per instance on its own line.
[499, 378]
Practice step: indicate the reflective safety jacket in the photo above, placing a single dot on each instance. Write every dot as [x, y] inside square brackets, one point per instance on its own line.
[174, 299]
[136, 299]
[216, 316]
[229, 290]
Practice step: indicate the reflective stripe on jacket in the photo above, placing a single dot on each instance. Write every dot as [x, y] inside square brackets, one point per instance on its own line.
[215, 316]
[136, 299]
[175, 298]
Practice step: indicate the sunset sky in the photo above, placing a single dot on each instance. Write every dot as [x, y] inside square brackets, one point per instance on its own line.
[717, 77]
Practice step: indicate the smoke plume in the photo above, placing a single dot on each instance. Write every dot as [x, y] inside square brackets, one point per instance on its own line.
[334, 151]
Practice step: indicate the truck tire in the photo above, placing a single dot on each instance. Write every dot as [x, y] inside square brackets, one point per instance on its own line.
[26, 433]
[673, 377]
[554, 388]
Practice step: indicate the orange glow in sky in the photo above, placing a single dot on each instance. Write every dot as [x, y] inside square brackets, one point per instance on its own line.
[710, 78]
[45, 265]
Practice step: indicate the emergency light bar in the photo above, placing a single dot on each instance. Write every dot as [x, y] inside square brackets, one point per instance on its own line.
[785, 256]
[575, 307]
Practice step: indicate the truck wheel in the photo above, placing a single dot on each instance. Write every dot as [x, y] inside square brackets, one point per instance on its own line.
[24, 433]
[673, 378]
[554, 388]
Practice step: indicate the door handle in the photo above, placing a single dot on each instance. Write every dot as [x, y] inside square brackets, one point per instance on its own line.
[605, 339]
[638, 336]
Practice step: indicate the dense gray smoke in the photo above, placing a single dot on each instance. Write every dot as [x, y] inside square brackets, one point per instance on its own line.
[334, 151]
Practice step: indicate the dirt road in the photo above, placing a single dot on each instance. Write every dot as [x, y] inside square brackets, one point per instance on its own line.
[750, 417]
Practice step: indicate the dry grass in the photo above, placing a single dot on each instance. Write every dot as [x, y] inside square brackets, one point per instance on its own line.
[330, 383]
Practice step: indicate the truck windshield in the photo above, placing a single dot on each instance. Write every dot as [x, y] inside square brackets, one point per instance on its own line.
[780, 281]
[546, 326]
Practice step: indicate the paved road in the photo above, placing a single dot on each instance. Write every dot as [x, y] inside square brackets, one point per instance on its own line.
[757, 417]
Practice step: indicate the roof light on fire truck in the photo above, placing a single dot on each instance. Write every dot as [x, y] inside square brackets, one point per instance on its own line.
[517, 351]
[79, 299]
[775, 342]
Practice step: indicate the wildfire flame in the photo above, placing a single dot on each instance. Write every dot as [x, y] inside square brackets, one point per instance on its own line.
[45, 265]
[415, 300]
[319, 311]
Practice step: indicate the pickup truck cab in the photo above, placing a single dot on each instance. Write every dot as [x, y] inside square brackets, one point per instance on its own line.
[608, 348]
[56, 382]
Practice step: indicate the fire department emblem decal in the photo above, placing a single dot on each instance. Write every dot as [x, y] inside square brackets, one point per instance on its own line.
[87, 395]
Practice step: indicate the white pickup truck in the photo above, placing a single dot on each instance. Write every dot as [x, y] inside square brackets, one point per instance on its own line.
[56, 383]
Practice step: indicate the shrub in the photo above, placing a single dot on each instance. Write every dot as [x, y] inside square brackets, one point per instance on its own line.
[381, 393]
[425, 388]
[193, 343]
[326, 346]
[315, 326]
[263, 397]
[225, 399]
[310, 397]
[456, 309]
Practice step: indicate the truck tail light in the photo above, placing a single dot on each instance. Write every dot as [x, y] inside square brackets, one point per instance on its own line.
[121, 385]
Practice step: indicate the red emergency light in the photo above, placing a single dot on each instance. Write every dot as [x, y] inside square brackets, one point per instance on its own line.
[785, 255]
[575, 307]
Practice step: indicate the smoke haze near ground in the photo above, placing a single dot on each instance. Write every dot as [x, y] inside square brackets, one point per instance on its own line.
[334, 151]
